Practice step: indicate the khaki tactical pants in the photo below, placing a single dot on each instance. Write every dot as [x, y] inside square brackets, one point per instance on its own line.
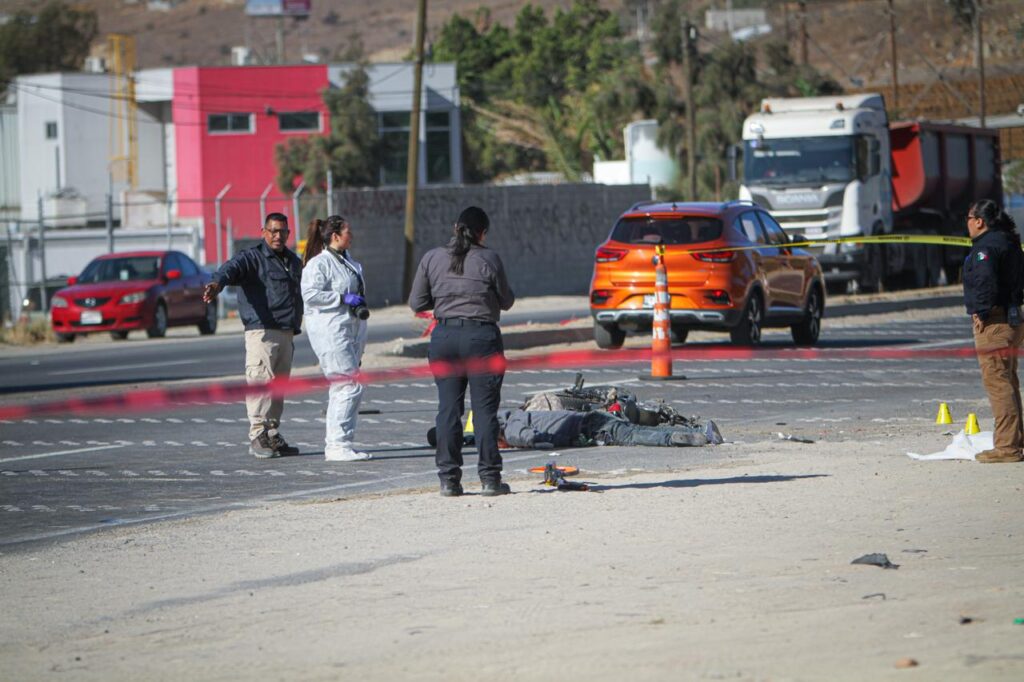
[997, 346]
[268, 355]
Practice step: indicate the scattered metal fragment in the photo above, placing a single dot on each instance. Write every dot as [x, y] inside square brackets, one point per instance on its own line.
[795, 439]
[876, 559]
[876, 594]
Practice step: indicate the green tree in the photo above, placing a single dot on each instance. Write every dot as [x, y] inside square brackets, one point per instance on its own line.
[1013, 177]
[729, 82]
[963, 11]
[351, 149]
[55, 38]
[533, 96]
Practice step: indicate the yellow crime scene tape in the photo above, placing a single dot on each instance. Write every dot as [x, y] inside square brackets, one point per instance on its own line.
[938, 240]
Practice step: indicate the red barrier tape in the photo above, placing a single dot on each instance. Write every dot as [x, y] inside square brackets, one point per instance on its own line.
[150, 400]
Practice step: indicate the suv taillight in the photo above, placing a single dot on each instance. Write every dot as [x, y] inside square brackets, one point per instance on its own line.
[606, 254]
[715, 256]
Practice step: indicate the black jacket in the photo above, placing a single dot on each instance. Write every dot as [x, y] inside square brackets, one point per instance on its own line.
[993, 274]
[270, 295]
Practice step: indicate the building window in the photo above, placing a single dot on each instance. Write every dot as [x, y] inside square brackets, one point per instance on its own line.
[394, 137]
[51, 130]
[229, 123]
[439, 147]
[299, 121]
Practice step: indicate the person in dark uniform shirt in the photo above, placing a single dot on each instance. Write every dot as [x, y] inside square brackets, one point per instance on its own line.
[993, 294]
[464, 283]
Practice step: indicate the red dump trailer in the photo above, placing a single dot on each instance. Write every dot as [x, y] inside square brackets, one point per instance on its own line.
[938, 170]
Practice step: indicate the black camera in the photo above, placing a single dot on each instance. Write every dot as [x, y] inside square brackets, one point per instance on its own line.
[360, 311]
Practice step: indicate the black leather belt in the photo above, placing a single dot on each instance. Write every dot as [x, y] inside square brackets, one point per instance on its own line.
[464, 322]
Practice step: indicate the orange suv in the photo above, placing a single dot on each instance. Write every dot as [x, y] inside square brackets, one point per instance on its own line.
[713, 284]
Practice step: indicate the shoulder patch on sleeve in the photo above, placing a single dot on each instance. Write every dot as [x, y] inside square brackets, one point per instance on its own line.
[982, 256]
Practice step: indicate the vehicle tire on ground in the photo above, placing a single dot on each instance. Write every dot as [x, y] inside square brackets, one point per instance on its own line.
[159, 327]
[208, 325]
[679, 334]
[872, 276]
[65, 338]
[807, 330]
[119, 335]
[747, 331]
[608, 337]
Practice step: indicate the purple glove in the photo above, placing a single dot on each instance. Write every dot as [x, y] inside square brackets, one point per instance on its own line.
[353, 299]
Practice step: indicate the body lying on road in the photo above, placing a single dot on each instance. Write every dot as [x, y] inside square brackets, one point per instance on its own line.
[565, 428]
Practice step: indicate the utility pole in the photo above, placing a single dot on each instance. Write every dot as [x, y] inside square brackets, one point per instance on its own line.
[689, 43]
[895, 68]
[803, 32]
[110, 219]
[330, 192]
[980, 50]
[43, 303]
[412, 166]
[279, 35]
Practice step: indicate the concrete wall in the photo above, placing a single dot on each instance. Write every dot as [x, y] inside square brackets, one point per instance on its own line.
[545, 234]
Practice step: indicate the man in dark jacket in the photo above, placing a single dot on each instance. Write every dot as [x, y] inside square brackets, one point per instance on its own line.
[270, 306]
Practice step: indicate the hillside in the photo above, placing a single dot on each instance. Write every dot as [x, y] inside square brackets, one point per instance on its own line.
[847, 38]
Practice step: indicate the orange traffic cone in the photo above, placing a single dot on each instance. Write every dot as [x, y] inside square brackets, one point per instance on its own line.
[971, 428]
[944, 417]
[661, 329]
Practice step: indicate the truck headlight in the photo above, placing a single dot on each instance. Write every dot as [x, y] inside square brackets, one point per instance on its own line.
[137, 297]
[58, 302]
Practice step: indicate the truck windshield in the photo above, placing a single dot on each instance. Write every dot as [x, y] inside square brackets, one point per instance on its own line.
[798, 160]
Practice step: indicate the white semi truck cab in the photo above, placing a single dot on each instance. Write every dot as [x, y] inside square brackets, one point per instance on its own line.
[822, 166]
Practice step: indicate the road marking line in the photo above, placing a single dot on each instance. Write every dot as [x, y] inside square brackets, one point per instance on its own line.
[62, 452]
[120, 368]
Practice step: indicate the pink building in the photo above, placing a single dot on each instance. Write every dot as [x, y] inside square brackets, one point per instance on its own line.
[201, 129]
[228, 122]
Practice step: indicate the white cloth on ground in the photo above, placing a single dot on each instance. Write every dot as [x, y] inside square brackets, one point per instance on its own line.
[962, 447]
[338, 339]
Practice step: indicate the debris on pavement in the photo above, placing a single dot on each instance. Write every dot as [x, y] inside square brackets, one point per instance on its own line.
[876, 559]
[554, 477]
[967, 620]
[795, 439]
[907, 663]
[873, 595]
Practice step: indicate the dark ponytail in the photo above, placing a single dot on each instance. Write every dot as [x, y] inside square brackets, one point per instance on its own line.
[318, 236]
[314, 241]
[995, 218]
[469, 228]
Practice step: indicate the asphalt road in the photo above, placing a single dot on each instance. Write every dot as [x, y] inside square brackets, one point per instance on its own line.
[66, 475]
[142, 360]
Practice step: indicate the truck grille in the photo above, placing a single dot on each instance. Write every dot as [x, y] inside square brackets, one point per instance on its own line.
[814, 222]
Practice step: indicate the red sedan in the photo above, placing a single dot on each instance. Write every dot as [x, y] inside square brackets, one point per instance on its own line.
[120, 292]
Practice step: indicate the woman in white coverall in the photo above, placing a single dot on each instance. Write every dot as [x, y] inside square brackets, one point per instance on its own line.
[333, 292]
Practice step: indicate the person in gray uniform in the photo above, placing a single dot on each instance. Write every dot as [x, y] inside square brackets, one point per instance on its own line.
[464, 283]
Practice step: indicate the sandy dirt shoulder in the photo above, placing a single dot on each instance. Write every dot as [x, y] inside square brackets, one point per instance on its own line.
[737, 567]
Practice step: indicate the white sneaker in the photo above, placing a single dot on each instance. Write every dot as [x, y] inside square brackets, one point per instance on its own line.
[340, 453]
